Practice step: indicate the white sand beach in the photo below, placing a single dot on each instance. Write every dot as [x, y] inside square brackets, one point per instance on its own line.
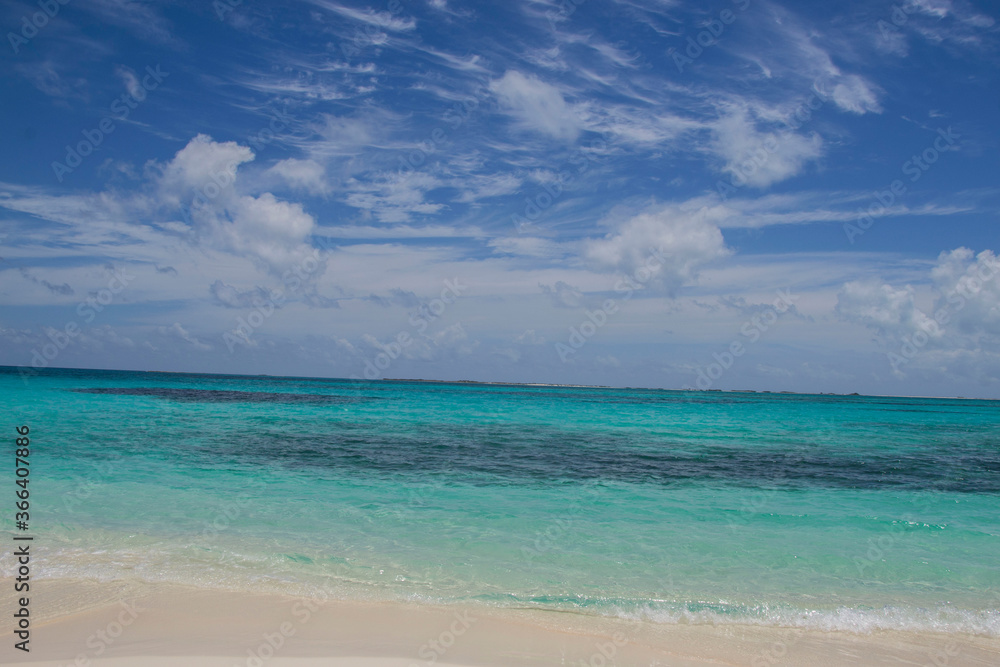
[168, 625]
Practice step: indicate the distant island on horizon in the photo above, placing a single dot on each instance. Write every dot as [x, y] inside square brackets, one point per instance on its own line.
[506, 383]
[605, 386]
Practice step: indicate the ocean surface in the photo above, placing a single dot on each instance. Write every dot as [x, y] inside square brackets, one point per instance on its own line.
[832, 512]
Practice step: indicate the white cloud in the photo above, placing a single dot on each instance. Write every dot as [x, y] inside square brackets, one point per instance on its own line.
[307, 175]
[202, 166]
[610, 361]
[475, 188]
[394, 197]
[536, 105]
[761, 158]
[271, 232]
[385, 20]
[400, 232]
[971, 281]
[527, 246]
[851, 93]
[890, 311]
[232, 297]
[454, 337]
[176, 331]
[687, 239]
[563, 295]
[139, 17]
[46, 76]
[337, 136]
[529, 337]
[130, 81]
[801, 52]
[958, 335]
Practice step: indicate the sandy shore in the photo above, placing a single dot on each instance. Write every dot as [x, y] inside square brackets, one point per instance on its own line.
[162, 626]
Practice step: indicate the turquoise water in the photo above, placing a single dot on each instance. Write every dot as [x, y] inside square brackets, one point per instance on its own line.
[834, 512]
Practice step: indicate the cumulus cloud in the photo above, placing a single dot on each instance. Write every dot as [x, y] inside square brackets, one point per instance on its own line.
[269, 231]
[971, 281]
[307, 175]
[454, 338]
[203, 167]
[683, 239]
[960, 334]
[760, 158]
[536, 105]
[891, 312]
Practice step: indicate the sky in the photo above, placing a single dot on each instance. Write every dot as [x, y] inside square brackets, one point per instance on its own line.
[738, 194]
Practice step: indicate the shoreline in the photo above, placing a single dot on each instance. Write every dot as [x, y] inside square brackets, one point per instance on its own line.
[169, 624]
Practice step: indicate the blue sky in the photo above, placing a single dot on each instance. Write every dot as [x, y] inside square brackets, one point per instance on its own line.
[727, 195]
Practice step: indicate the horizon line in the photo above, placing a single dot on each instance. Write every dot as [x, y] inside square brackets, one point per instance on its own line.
[502, 383]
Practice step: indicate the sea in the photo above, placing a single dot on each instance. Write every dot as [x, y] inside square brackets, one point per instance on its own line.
[829, 512]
